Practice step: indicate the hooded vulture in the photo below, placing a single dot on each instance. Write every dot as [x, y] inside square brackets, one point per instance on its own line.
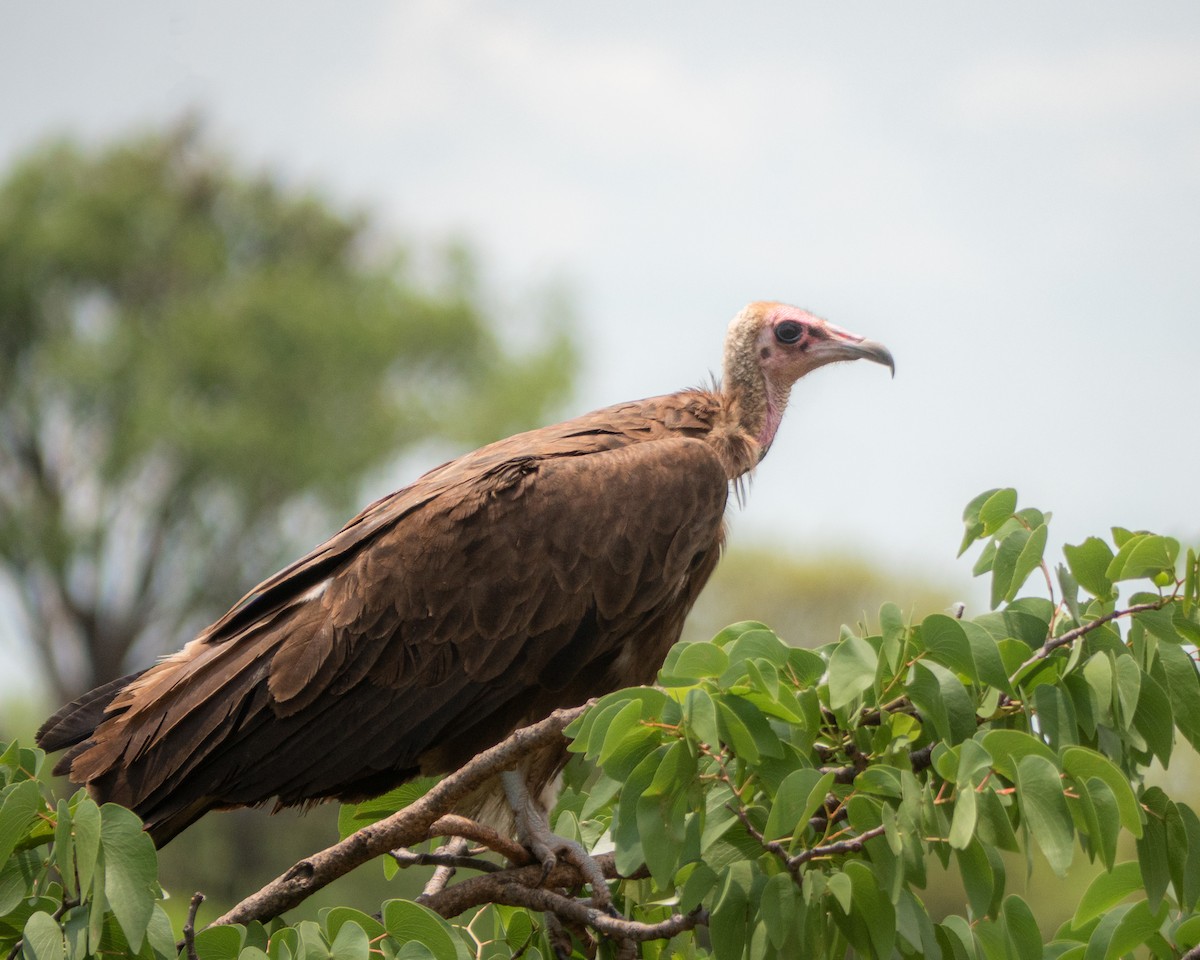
[532, 574]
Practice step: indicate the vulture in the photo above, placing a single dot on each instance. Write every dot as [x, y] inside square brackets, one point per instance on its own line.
[532, 574]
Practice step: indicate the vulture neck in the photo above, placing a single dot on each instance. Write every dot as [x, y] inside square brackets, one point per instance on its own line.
[753, 404]
[756, 409]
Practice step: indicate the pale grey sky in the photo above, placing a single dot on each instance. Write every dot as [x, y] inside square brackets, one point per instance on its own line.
[1007, 195]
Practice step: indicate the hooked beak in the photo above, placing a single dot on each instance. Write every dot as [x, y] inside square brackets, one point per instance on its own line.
[844, 345]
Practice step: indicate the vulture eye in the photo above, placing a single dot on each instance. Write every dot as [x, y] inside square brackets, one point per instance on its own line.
[789, 331]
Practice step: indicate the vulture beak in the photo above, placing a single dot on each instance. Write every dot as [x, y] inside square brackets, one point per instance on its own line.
[844, 345]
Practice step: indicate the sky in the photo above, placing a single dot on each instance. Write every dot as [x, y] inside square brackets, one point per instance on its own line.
[1007, 195]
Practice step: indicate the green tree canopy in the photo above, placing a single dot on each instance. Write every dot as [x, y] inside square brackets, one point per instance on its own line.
[196, 362]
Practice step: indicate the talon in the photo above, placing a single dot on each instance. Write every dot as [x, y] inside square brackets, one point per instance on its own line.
[534, 832]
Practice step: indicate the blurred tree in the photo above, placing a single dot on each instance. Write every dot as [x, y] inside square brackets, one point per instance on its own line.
[198, 368]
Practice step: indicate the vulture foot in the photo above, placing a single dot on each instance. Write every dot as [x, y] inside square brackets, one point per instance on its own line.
[548, 847]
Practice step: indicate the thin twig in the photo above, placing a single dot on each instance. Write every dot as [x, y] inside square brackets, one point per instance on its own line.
[189, 926]
[452, 825]
[833, 849]
[442, 858]
[1054, 643]
[402, 829]
[454, 850]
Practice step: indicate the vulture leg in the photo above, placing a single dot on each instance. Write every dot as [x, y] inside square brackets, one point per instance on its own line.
[546, 846]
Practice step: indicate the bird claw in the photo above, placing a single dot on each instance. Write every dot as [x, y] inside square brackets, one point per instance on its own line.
[547, 847]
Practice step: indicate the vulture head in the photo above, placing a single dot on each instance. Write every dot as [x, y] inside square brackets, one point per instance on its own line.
[772, 345]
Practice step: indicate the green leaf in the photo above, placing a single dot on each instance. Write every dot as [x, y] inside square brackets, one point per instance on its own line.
[1190, 880]
[1144, 555]
[220, 943]
[64, 848]
[337, 917]
[700, 881]
[731, 912]
[86, 827]
[130, 871]
[799, 796]
[1183, 690]
[962, 825]
[891, 623]
[997, 509]
[1187, 934]
[995, 829]
[1122, 928]
[735, 630]
[1023, 931]
[1154, 846]
[699, 660]
[1070, 590]
[971, 521]
[778, 904]
[410, 922]
[986, 653]
[851, 668]
[351, 943]
[978, 877]
[700, 715]
[1056, 716]
[1044, 809]
[1004, 569]
[627, 719]
[1009, 747]
[1089, 563]
[17, 815]
[43, 938]
[1029, 559]
[1106, 891]
[1153, 720]
[1098, 816]
[762, 644]
[943, 700]
[872, 909]
[1080, 763]
[947, 643]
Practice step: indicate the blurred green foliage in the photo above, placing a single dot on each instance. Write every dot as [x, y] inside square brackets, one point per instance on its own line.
[198, 368]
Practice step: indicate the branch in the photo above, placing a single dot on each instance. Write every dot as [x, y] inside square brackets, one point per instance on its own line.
[517, 888]
[832, 849]
[189, 926]
[1054, 643]
[402, 829]
[452, 825]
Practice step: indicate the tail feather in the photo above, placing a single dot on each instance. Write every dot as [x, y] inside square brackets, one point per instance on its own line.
[75, 723]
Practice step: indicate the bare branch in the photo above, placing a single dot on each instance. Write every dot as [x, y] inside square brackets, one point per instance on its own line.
[516, 888]
[452, 825]
[405, 828]
[189, 926]
[443, 858]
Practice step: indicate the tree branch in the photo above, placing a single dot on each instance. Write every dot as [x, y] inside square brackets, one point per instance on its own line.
[518, 888]
[189, 926]
[402, 829]
[452, 825]
[1054, 643]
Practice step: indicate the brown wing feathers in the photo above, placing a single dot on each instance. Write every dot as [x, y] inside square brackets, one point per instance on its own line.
[499, 586]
